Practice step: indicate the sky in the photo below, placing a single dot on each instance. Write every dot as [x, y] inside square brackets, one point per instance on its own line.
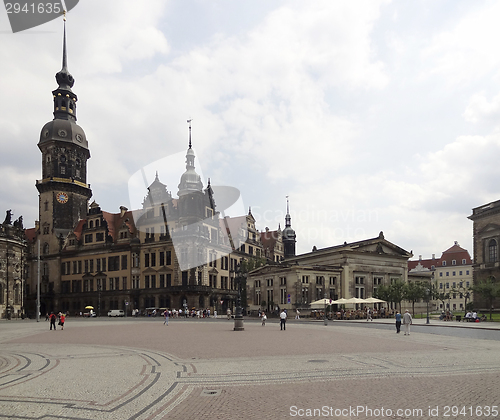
[369, 116]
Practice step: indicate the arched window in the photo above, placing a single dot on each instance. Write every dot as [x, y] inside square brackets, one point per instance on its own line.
[492, 251]
[91, 224]
[45, 248]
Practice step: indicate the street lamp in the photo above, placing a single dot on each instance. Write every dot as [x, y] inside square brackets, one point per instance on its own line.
[238, 316]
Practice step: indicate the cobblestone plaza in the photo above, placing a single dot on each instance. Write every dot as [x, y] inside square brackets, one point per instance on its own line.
[202, 369]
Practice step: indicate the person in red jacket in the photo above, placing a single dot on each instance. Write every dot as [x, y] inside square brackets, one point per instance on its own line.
[62, 318]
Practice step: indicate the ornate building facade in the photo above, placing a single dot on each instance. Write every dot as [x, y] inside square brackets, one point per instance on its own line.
[12, 267]
[171, 253]
[486, 254]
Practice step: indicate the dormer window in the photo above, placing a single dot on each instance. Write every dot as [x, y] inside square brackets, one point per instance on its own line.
[453, 262]
[444, 263]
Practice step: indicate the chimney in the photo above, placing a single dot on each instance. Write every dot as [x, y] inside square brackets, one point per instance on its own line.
[433, 256]
[420, 257]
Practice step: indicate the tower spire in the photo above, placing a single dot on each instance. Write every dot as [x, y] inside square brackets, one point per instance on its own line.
[64, 98]
[189, 122]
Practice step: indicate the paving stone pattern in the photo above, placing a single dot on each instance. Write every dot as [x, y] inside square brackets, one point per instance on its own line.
[199, 369]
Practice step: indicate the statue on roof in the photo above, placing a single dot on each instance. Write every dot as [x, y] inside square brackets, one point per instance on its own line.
[8, 217]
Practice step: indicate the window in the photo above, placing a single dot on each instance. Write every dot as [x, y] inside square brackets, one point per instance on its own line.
[135, 282]
[467, 272]
[146, 260]
[162, 258]
[114, 263]
[124, 262]
[153, 259]
[447, 285]
[162, 281]
[88, 238]
[453, 262]
[333, 281]
[99, 236]
[146, 282]
[440, 285]
[464, 261]
[283, 296]
[444, 263]
[305, 279]
[153, 281]
[282, 281]
[454, 273]
[492, 251]
[269, 282]
[169, 257]
[447, 274]
[440, 274]
[459, 273]
[124, 283]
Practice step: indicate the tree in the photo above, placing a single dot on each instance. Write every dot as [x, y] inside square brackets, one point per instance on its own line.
[384, 293]
[397, 292]
[489, 290]
[437, 294]
[414, 292]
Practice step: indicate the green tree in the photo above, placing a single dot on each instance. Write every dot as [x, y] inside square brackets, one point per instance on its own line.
[438, 294]
[397, 289]
[384, 293]
[414, 292]
[489, 290]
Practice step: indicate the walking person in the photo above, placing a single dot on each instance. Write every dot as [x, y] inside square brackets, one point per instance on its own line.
[166, 315]
[407, 321]
[52, 319]
[283, 320]
[264, 318]
[297, 314]
[369, 314]
[62, 319]
[398, 322]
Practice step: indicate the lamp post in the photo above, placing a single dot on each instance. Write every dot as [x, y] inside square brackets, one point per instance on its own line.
[238, 316]
[324, 297]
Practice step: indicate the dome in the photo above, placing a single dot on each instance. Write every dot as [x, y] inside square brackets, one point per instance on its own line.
[65, 131]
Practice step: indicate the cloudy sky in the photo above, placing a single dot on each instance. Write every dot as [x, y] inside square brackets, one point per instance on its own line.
[370, 115]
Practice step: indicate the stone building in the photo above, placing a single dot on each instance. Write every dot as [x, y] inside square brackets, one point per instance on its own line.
[12, 267]
[486, 254]
[353, 269]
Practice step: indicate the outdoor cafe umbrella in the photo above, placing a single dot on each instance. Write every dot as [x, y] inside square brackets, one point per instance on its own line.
[354, 300]
[340, 301]
[374, 300]
[318, 304]
[89, 307]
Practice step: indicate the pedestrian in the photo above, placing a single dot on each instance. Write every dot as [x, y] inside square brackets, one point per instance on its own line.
[215, 314]
[62, 318]
[228, 313]
[283, 320]
[52, 318]
[369, 314]
[407, 321]
[398, 322]
[166, 316]
[46, 316]
[264, 319]
[297, 314]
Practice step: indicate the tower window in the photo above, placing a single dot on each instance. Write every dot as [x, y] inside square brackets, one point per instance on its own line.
[63, 170]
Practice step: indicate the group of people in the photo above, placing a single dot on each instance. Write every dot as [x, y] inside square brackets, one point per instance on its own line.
[53, 318]
[472, 316]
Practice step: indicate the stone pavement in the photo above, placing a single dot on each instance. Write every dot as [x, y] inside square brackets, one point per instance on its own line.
[201, 369]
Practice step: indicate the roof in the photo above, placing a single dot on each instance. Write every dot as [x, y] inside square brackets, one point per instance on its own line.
[269, 238]
[30, 234]
[455, 253]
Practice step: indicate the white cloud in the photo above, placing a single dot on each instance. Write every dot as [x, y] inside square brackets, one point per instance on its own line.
[480, 109]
